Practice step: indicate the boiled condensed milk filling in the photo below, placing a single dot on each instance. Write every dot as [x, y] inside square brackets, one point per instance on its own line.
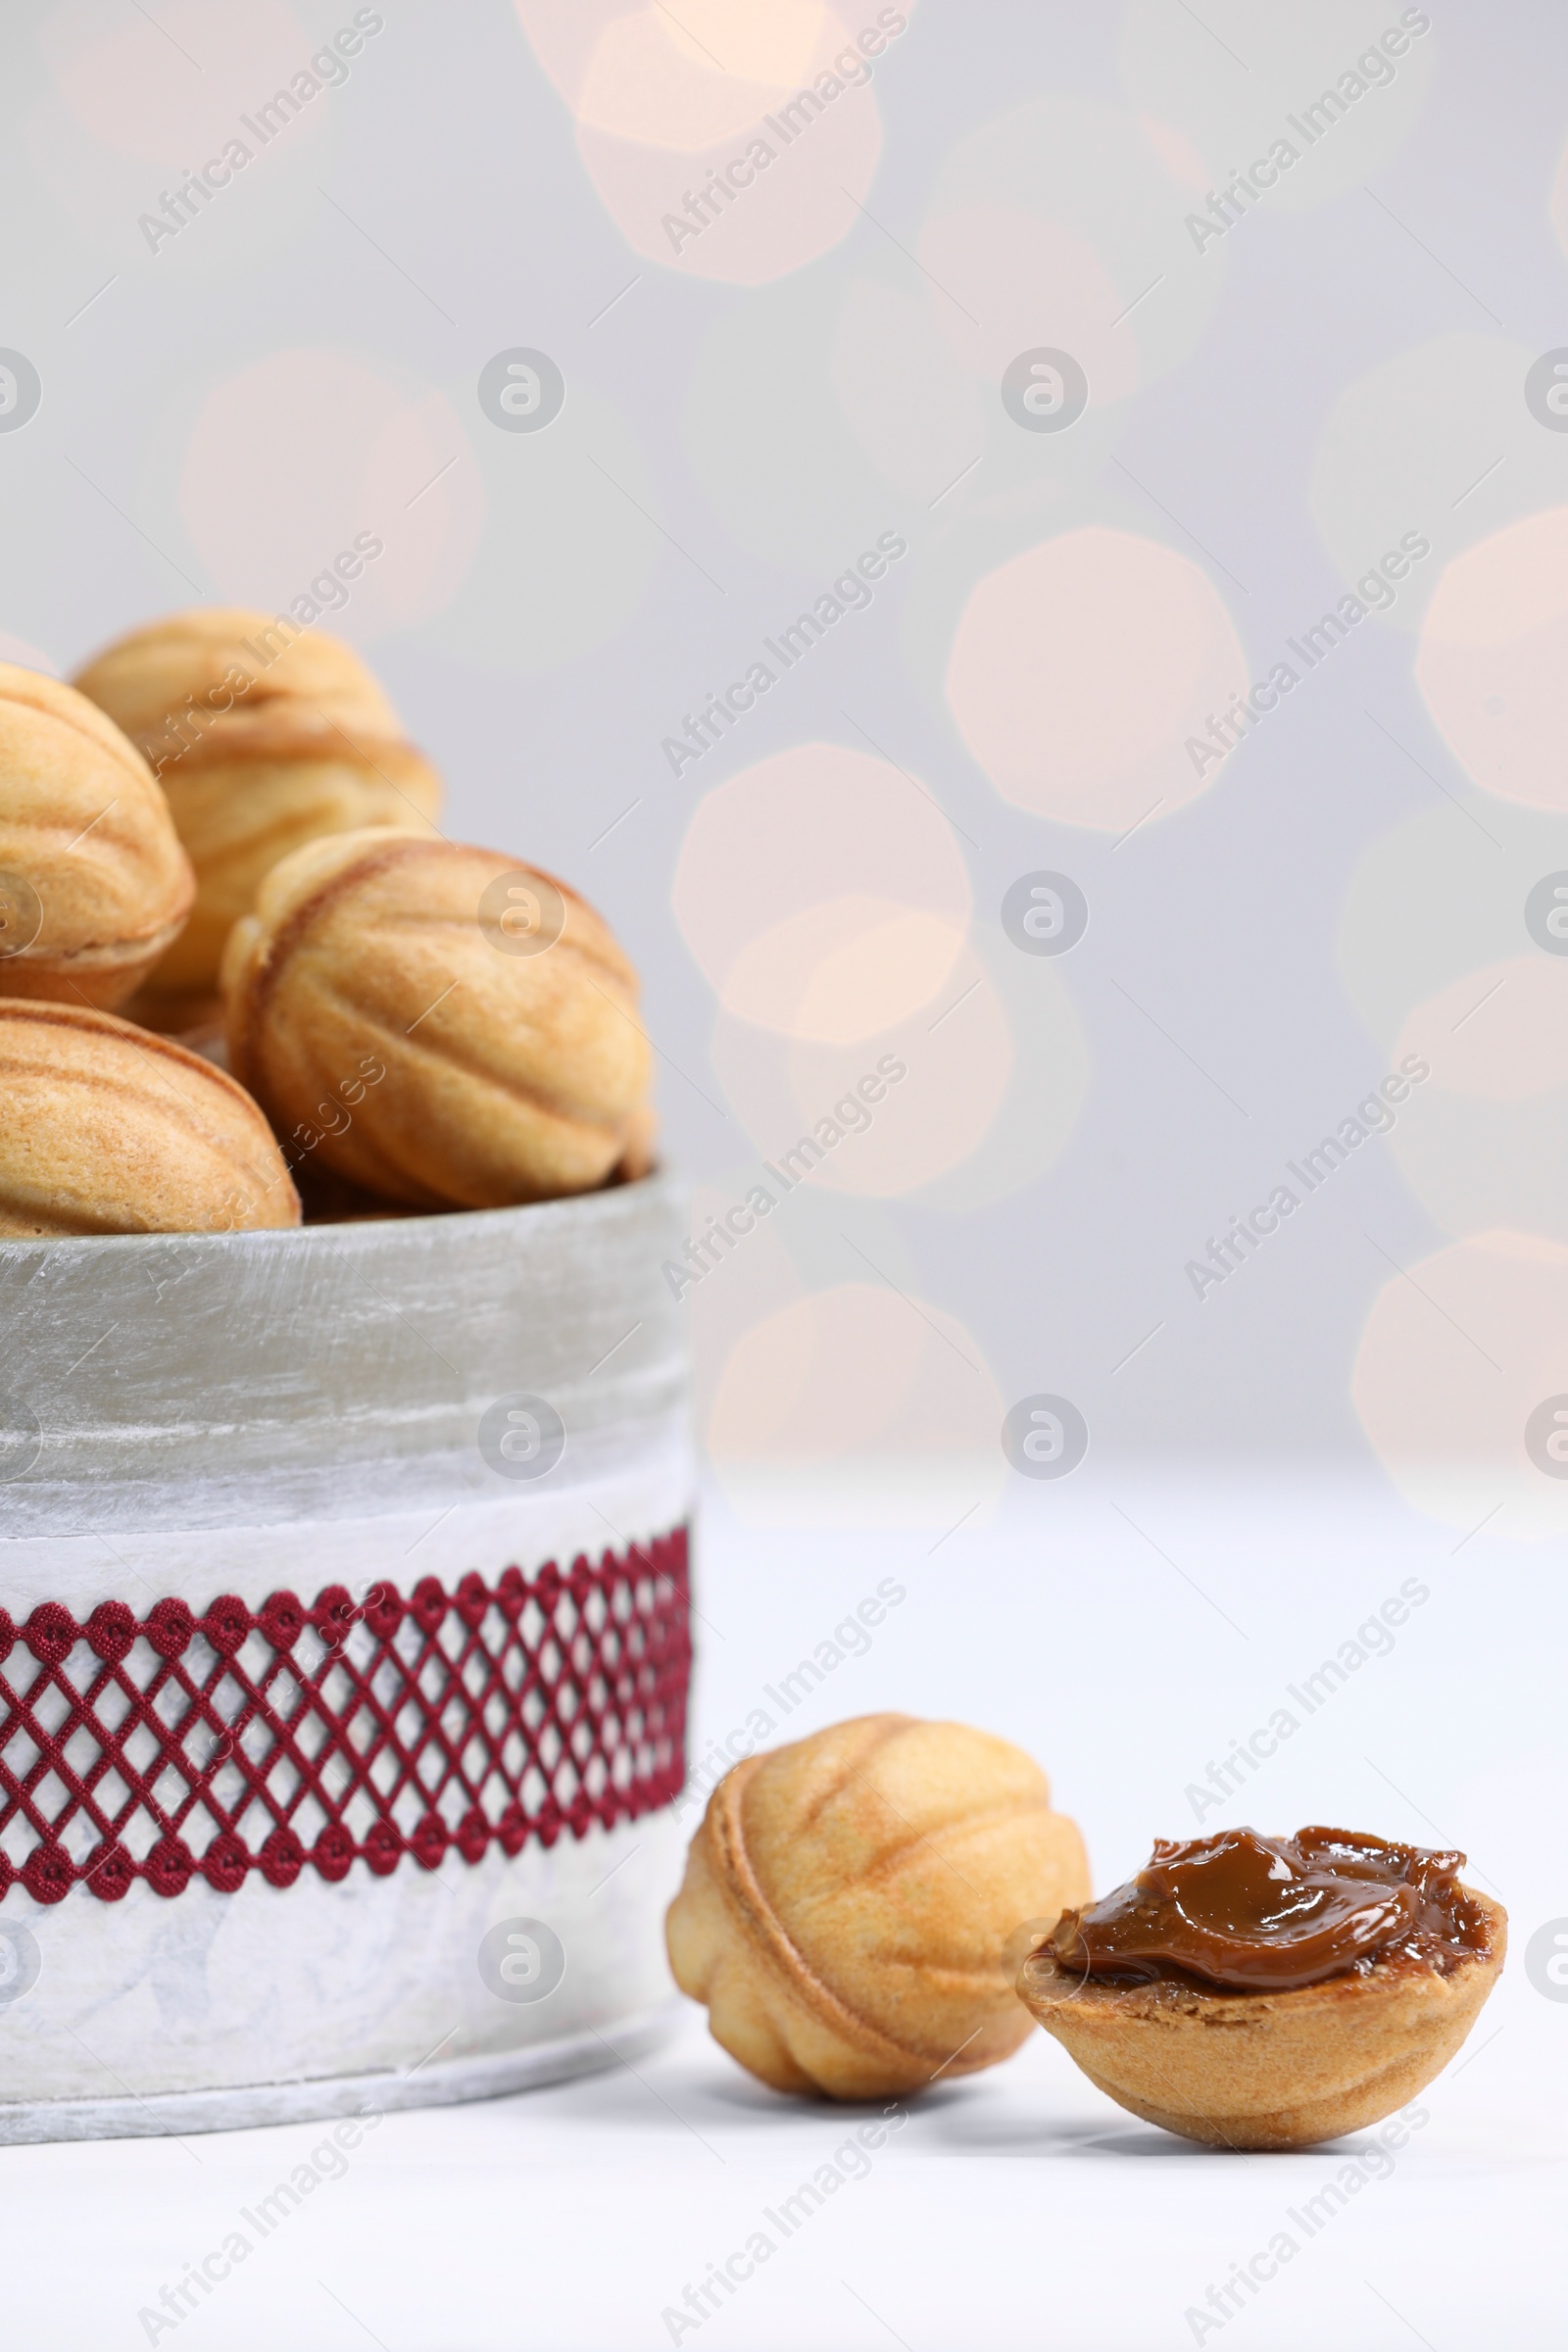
[1246, 1913]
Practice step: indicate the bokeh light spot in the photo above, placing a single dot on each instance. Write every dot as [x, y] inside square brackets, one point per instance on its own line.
[703, 75]
[1027, 281]
[1458, 1352]
[1082, 668]
[1499, 1035]
[822, 892]
[305, 453]
[841, 970]
[127, 89]
[731, 140]
[889, 1112]
[1494, 657]
[855, 1400]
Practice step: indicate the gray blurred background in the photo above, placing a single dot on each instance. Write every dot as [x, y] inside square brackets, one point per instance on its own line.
[747, 407]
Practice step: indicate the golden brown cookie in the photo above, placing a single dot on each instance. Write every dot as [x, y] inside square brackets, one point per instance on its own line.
[1267, 2070]
[640, 1149]
[847, 1901]
[94, 885]
[110, 1129]
[264, 736]
[441, 1025]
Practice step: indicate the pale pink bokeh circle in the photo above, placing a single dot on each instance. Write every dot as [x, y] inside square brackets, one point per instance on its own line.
[1177, 153]
[860, 1400]
[725, 141]
[724, 212]
[306, 450]
[1003, 280]
[1459, 1349]
[168, 87]
[1494, 657]
[1083, 670]
[737, 1289]
[1499, 1035]
[842, 969]
[16, 649]
[886, 1113]
[822, 894]
[666, 66]
[701, 75]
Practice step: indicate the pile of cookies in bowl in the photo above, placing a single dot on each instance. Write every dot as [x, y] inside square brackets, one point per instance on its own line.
[244, 976]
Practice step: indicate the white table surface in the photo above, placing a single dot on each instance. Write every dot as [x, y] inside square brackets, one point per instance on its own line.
[1019, 2207]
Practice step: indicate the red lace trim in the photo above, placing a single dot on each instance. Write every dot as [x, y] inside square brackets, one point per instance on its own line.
[341, 1731]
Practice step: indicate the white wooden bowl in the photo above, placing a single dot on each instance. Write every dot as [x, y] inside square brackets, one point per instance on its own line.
[408, 1844]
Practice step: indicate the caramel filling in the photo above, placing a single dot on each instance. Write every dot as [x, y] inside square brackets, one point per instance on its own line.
[1252, 1914]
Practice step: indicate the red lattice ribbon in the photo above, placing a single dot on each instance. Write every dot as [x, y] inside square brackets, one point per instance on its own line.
[341, 1731]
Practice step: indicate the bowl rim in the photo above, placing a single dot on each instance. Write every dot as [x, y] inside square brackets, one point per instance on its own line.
[657, 1187]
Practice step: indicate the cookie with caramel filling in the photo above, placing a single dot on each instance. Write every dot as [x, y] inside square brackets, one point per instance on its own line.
[1268, 1993]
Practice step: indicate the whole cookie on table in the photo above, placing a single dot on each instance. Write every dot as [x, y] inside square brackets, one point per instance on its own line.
[849, 1901]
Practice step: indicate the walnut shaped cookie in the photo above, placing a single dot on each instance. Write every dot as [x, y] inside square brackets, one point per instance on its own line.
[848, 1899]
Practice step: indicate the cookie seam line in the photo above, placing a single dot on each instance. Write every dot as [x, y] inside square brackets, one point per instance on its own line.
[742, 1889]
